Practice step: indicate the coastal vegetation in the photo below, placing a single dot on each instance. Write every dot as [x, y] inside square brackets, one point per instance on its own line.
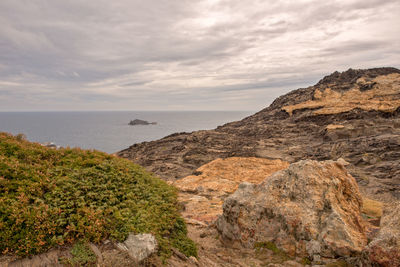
[55, 197]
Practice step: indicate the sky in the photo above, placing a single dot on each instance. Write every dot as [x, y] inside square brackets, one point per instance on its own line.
[183, 54]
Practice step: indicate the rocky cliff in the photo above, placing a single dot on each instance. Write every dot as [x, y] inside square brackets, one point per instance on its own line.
[353, 115]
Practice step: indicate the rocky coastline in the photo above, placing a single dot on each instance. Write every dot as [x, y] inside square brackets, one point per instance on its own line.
[340, 140]
[311, 180]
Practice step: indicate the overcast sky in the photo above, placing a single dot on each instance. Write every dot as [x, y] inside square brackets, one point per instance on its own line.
[184, 54]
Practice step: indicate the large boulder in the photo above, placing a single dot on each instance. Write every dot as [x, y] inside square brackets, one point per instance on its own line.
[310, 209]
[384, 250]
[204, 192]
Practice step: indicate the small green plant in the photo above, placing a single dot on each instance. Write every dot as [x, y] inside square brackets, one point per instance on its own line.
[82, 255]
[268, 245]
[279, 256]
[305, 261]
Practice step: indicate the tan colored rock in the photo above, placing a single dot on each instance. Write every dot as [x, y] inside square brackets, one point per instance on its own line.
[334, 126]
[343, 162]
[384, 250]
[309, 209]
[203, 194]
[378, 97]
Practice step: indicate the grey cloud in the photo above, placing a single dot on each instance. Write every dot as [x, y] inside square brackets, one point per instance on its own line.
[353, 47]
[266, 84]
[192, 54]
[134, 83]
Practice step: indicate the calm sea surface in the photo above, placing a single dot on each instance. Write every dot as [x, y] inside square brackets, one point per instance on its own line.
[109, 131]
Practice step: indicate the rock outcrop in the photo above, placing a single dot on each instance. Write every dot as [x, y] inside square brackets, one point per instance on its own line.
[384, 249]
[354, 115]
[203, 193]
[140, 122]
[310, 209]
[369, 94]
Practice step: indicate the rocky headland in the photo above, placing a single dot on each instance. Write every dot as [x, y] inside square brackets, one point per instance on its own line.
[302, 182]
[352, 115]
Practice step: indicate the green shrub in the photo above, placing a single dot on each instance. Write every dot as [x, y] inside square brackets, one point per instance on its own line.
[51, 197]
[185, 245]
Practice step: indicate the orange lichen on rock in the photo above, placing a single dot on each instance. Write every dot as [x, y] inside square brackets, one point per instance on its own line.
[379, 97]
[203, 194]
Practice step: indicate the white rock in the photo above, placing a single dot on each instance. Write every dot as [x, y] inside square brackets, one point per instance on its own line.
[139, 247]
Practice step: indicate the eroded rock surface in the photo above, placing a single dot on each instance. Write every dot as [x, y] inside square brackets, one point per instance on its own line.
[377, 94]
[353, 115]
[310, 209]
[203, 194]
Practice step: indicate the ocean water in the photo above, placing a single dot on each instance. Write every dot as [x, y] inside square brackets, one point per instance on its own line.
[109, 131]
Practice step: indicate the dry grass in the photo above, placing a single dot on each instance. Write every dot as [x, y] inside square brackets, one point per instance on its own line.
[372, 208]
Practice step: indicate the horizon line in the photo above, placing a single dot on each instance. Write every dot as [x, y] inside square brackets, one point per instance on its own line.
[194, 110]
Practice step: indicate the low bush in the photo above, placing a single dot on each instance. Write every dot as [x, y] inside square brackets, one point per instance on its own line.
[51, 197]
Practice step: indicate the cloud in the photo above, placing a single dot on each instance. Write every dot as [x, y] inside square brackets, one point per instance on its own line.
[197, 54]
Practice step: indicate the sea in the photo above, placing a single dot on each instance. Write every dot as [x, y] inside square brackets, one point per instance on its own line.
[108, 131]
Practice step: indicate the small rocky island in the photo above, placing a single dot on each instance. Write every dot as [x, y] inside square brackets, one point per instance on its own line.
[141, 122]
